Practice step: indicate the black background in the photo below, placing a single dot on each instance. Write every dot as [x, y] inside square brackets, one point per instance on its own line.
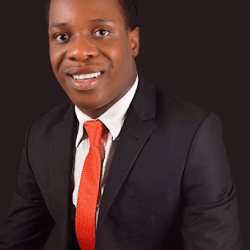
[195, 50]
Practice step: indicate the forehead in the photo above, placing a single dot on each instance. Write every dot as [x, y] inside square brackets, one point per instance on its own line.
[65, 10]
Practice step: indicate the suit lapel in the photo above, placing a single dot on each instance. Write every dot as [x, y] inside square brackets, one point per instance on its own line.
[133, 137]
[62, 160]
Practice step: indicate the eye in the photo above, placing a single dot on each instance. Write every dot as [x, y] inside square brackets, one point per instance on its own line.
[62, 38]
[101, 33]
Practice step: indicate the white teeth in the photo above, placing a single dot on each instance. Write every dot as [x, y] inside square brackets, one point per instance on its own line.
[86, 76]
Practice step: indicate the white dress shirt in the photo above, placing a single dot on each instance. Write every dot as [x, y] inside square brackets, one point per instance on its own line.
[113, 119]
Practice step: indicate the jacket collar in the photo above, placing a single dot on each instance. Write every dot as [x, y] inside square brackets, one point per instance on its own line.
[144, 100]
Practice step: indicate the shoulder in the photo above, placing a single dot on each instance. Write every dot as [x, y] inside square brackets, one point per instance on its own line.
[170, 109]
[176, 116]
[185, 118]
[46, 121]
[178, 107]
[54, 116]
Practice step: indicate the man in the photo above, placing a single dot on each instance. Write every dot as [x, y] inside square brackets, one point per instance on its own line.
[163, 175]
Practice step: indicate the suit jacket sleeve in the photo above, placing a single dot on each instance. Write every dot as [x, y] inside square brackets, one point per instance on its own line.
[28, 222]
[210, 213]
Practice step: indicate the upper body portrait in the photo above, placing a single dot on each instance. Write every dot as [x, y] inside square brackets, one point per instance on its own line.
[121, 165]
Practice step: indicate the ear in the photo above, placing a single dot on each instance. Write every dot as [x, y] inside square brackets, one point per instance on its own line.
[134, 38]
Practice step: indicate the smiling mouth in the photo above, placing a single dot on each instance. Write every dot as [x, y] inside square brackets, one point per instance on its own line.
[85, 81]
[86, 76]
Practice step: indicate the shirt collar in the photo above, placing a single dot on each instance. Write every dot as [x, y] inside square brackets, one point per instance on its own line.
[113, 118]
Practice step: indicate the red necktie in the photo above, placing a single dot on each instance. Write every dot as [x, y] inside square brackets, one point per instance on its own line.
[89, 188]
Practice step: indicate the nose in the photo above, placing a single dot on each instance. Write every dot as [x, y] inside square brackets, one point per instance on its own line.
[82, 49]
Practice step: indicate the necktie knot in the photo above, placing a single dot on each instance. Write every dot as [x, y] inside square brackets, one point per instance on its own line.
[94, 130]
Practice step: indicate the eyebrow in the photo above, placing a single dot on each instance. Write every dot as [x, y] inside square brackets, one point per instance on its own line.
[56, 25]
[102, 20]
[98, 20]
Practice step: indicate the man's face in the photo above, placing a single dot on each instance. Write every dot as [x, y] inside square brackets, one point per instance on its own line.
[92, 52]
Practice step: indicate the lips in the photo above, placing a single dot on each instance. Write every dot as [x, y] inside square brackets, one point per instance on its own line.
[85, 78]
[84, 71]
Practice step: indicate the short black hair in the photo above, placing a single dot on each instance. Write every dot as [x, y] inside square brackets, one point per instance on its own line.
[129, 9]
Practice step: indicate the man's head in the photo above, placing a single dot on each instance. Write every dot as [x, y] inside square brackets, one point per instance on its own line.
[92, 51]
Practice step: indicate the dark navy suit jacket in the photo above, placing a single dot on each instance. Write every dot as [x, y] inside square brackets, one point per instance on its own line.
[168, 187]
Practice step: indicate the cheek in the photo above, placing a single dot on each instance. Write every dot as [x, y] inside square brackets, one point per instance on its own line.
[114, 55]
[55, 58]
[118, 50]
[119, 57]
